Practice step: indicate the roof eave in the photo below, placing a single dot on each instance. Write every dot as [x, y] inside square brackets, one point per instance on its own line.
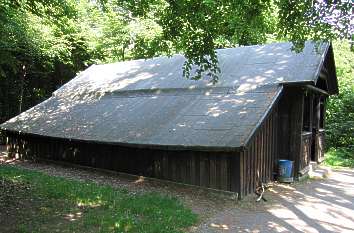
[332, 76]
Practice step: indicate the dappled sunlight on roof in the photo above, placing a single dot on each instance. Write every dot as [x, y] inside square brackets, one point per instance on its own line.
[149, 102]
[216, 118]
[243, 67]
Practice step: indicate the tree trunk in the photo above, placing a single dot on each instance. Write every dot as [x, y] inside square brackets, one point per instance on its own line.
[123, 53]
[22, 87]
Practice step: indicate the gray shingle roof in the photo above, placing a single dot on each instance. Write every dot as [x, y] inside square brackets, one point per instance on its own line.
[149, 103]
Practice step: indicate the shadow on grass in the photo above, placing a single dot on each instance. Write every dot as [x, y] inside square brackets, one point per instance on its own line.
[54, 204]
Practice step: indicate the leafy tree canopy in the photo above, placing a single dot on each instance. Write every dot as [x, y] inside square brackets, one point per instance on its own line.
[196, 28]
[44, 43]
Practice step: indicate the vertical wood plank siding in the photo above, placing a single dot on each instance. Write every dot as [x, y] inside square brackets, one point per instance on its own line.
[305, 157]
[261, 155]
[294, 143]
[215, 170]
[295, 128]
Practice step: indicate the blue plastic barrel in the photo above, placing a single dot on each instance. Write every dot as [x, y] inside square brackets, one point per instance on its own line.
[285, 171]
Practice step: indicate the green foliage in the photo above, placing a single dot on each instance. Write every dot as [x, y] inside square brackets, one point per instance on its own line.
[102, 208]
[340, 108]
[122, 36]
[340, 157]
[299, 21]
[197, 27]
[40, 48]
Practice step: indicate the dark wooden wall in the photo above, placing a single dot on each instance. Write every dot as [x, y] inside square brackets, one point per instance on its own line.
[305, 156]
[291, 109]
[283, 127]
[215, 170]
[206, 169]
[300, 141]
[259, 160]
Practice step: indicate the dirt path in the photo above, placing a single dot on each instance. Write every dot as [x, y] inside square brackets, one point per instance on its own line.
[316, 205]
[322, 205]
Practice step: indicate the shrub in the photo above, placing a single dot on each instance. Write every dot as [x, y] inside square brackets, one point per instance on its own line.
[340, 108]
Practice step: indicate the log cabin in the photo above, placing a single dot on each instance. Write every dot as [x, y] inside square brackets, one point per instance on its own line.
[142, 117]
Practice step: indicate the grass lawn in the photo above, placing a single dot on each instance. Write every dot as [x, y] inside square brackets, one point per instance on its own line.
[340, 157]
[31, 201]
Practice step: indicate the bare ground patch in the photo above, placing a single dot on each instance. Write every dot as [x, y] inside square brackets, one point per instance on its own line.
[303, 206]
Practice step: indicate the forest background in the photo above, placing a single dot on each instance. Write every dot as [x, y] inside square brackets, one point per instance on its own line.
[45, 43]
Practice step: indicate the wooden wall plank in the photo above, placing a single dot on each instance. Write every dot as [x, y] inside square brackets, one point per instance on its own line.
[271, 152]
[254, 163]
[165, 167]
[261, 154]
[183, 168]
[188, 159]
[213, 174]
[234, 176]
[251, 155]
[223, 171]
[204, 171]
[244, 167]
[265, 153]
[193, 168]
[219, 173]
[275, 140]
[296, 112]
[239, 174]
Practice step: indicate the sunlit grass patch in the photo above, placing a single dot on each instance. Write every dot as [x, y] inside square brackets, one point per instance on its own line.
[341, 157]
[55, 204]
